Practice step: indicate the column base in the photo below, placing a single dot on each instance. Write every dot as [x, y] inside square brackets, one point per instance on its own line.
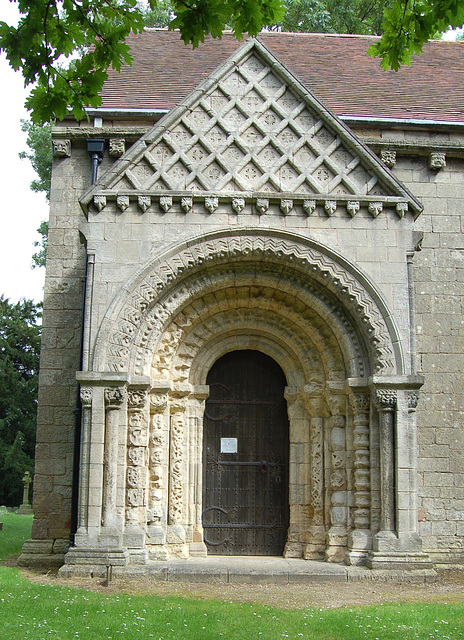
[43, 554]
[316, 546]
[93, 562]
[359, 546]
[198, 550]
[399, 560]
[392, 552]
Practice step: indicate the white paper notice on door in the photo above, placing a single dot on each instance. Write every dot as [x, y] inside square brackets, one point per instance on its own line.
[228, 445]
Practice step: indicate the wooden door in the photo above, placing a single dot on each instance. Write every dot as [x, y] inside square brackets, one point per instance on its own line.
[246, 441]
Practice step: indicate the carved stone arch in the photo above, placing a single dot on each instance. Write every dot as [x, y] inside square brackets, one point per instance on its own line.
[201, 321]
[340, 286]
[287, 359]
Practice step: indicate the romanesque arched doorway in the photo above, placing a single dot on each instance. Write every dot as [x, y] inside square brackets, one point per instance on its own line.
[245, 459]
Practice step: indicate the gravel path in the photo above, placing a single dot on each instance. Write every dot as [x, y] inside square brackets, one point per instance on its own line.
[448, 588]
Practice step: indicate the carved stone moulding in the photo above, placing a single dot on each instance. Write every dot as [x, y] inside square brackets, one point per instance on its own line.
[117, 147]
[437, 161]
[62, 148]
[388, 157]
[257, 203]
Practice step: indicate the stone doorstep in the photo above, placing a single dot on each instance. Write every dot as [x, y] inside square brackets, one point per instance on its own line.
[250, 570]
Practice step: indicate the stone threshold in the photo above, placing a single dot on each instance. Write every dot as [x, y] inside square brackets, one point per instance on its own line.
[250, 570]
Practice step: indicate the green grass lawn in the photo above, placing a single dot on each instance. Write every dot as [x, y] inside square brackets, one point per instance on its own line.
[43, 611]
[38, 612]
[16, 529]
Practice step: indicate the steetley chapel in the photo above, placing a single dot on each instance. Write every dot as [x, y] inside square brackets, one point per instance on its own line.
[253, 331]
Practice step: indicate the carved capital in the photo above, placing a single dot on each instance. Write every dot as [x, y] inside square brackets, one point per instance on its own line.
[136, 398]
[86, 396]
[178, 405]
[359, 402]
[61, 148]
[114, 397]
[158, 402]
[385, 399]
[413, 399]
[117, 147]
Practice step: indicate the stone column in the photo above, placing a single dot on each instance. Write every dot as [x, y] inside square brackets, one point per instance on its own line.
[299, 474]
[397, 545]
[157, 514]
[196, 410]
[114, 400]
[360, 538]
[336, 489]
[84, 464]
[178, 477]
[136, 474]
[88, 305]
[317, 535]
[386, 403]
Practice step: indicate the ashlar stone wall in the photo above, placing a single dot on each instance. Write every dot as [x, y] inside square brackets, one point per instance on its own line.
[431, 165]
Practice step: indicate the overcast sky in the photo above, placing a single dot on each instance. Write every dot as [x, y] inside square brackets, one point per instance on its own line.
[21, 209]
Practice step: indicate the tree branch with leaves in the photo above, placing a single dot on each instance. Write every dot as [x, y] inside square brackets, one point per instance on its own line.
[64, 47]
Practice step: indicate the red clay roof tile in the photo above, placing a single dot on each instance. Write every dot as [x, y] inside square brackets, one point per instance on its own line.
[335, 67]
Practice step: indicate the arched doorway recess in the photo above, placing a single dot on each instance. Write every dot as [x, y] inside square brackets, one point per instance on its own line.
[341, 353]
[245, 456]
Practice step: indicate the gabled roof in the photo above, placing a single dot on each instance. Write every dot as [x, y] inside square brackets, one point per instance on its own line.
[335, 67]
[253, 129]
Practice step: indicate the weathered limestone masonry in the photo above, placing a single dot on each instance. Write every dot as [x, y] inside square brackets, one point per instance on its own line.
[250, 218]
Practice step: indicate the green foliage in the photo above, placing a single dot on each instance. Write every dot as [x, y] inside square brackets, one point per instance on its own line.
[408, 24]
[160, 16]
[40, 257]
[52, 33]
[16, 530]
[334, 16]
[19, 365]
[40, 155]
[39, 141]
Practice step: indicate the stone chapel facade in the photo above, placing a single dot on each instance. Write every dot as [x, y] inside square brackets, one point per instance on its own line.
[257, 310]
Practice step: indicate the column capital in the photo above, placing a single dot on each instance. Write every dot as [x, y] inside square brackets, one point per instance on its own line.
[114, 397]
[385, 399]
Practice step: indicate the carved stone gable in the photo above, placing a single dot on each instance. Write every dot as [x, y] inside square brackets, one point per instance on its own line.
[252, 128]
